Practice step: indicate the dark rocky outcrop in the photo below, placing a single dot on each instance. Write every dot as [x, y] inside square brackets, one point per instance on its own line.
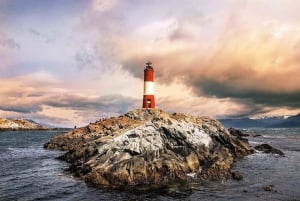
[242, 135]
[268, 149]
[268, 188]
[149, 146]
[256, 135]
[237, 133]
[237, 175]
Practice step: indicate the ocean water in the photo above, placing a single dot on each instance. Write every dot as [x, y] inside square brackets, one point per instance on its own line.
[30, 172]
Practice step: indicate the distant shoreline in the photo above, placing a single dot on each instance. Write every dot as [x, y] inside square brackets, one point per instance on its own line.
[34, 129]
[25, 125]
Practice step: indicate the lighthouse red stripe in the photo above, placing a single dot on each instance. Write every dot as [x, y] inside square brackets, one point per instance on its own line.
[148, 101]
[148, 75]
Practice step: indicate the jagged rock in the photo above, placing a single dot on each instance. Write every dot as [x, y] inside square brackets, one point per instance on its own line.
[237, 175]
[268, 149]
[149, 146]
[240, 134]
[237, 133]
[268, 188]
[255, 135]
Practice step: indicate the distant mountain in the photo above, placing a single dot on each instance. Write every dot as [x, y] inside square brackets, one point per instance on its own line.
[241, 123]
[266, 122]
[290, 122]
[20, 124]
[271, 120]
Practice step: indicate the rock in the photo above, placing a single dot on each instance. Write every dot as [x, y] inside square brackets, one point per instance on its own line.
[268, 149]
[268, 188]
[240, 134]
[149, 146]
[237, 175]
[19, 124]
[256, 135]
[237, 133]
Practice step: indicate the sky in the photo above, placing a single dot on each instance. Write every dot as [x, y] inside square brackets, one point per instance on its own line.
[71, 62]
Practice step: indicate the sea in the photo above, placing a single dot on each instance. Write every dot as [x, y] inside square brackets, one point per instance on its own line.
[30, 172]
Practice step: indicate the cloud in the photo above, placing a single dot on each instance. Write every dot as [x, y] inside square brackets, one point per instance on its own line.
[6, 58]
[42, 95]
[108, 103]
[253, 62]
[239, 50]
[226, 58]
[21, 108]
[47, 37]
[8, 47]
[100, 26]
[104, 5]
[203, 106]
[50, 121]
[8, 42]
[90, 56]
[86, 58]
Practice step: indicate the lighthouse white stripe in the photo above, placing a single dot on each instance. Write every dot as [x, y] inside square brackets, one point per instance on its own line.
[148, 88]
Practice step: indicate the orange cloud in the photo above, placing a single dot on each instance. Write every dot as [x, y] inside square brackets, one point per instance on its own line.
[258, 61]
[240, 58]
[42, 95]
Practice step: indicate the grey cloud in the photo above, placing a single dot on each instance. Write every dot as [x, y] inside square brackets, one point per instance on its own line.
[108, 103]
[34, 32]
[46, 37]
[84, 59]
[222, 74]
[87, 58]
[250, 109]
[26, 108]
[6, 41]
[207, 82]
[211, 87]
[87, 109]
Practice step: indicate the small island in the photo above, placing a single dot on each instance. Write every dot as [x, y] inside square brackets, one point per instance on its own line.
[19, 124]
[150, 147]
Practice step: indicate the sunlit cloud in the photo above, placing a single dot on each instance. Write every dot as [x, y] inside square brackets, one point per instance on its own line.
[226, 58]
[256, 62]
[41, 94]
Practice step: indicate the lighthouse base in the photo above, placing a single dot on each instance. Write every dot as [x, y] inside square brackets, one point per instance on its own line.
[148, 101]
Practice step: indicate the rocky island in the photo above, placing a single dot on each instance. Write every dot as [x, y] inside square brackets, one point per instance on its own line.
[19, 124]
[150, 147]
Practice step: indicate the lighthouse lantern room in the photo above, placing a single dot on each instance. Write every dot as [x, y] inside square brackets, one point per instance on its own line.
[148, 100]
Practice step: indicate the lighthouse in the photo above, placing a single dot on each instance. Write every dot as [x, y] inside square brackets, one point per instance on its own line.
[148, 100]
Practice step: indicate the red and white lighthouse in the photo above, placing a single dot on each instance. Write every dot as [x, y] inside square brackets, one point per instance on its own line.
[148, 100]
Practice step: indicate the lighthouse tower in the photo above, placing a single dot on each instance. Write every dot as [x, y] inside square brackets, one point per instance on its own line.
[148, 100]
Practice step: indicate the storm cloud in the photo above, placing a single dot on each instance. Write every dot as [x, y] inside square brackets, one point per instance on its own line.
[35, 98]
[250, 61]
[83, 60]
[105, 104]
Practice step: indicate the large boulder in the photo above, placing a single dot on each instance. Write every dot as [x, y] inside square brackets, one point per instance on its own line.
[149, 146]
[266, 148]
